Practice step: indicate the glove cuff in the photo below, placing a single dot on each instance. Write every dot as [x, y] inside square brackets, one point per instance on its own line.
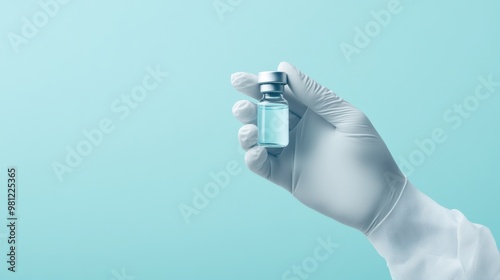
[420, 239]
[413, 219]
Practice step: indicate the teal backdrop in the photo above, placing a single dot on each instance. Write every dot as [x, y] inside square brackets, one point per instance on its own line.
[109, 204]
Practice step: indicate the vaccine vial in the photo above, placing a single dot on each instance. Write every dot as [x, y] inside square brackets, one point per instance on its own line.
[272, 110]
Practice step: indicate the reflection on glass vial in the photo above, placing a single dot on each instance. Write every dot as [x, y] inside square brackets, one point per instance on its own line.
[272, 110]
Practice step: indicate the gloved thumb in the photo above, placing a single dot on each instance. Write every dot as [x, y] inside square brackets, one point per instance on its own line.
[322, 101]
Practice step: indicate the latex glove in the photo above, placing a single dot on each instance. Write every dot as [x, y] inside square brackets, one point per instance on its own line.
[335, 163]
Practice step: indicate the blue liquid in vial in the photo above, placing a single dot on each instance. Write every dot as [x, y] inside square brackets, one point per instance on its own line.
[272, 121]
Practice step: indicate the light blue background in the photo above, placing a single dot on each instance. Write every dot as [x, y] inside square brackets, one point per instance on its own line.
[119, 208]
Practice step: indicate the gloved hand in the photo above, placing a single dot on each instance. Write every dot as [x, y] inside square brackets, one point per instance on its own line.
[335, 163]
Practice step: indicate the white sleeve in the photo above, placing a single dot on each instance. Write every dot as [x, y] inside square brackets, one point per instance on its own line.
[420, 239]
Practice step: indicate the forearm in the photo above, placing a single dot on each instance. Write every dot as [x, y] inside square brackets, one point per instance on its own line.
[420, 239]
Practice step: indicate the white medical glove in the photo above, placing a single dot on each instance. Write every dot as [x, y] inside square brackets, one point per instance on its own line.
[335, 163]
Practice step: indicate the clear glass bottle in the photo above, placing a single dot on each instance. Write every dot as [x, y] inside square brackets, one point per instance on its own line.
[272, 110]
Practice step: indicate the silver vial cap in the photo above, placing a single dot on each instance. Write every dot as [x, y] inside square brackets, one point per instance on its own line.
[272, 77]
[272, 88]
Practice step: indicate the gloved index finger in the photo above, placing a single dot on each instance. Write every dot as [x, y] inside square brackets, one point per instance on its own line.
[248, 84]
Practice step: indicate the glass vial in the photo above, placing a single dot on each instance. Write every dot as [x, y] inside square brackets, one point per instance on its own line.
[272, 110]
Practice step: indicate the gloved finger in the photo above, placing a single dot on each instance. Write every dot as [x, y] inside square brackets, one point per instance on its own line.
[262, 163]
[323, 101]
[259, 161]
[247, 135]
[247, 83]
[245, 111]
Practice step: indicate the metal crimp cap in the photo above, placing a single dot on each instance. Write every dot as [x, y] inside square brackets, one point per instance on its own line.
[272, 81]
[272, 77]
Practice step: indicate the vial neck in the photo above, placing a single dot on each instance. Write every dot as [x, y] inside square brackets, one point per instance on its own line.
[272, 95]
